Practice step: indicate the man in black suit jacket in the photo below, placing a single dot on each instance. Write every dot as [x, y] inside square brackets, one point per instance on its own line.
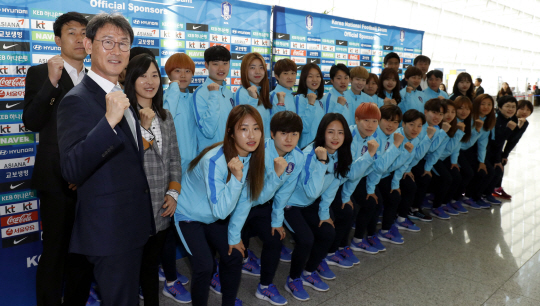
[479, 89]
[101, 151]
[46, 85]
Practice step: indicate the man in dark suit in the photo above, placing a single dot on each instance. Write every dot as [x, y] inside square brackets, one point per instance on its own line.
[479, 88]
[101, 151]
[46, 85]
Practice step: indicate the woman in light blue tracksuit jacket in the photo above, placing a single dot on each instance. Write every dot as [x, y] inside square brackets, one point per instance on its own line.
[211, 190]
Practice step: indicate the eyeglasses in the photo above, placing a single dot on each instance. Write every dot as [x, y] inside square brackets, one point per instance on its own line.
[109, 45]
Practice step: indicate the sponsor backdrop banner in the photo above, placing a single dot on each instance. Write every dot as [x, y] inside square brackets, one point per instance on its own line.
[27, 38]
[307, 37]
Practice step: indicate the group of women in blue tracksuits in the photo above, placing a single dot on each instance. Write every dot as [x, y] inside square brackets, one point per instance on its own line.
[362, 158]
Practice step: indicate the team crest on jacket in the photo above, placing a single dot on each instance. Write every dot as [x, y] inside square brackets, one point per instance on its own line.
[320, 103]
[309, 22]
[420, 98]
[364, 150]
[232, 102]
[226, 10]
[290, 168]
[335, 167]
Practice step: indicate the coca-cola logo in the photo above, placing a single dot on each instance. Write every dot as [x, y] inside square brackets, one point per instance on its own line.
[299, 52]
[12, 82]
[19, 219]
[12, 220]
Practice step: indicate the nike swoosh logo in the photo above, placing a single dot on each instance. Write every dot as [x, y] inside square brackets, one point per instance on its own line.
[9, 46]
[194, 27]
[10, 106]
[18, 241]
[279, 36]
[239, 57]
[13, 187]
[313, 61]
[341, 43]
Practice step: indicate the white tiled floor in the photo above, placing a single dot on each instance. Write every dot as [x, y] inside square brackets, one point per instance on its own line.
[487, 257]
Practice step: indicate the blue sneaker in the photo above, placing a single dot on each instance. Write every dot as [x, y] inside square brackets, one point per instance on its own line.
[182, 278]
[470, 203]
[483, 204]
[427, 203]
[439, 213]
[376, 243]
[348, 254]
[215, 285]
[93, 292]
[459, 207]
[141, 296]
[92, 302]
[296, 289]
[270, 294]
[449, 210]
[314, 281]
[491, 199]
[286, 254]
[238, 302]
[389, 237]
[177, 292]
[407, 225]
[250, 267]
[161, 274]
[337, 260]
[363, 246]
[394, 230]
[254, 257]
[324, 271]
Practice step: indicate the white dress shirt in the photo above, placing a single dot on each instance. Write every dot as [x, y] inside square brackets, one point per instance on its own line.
[75, 77]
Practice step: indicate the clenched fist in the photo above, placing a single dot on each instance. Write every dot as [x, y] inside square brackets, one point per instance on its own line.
[252, 90]
[478, 123]
[372, 146]
[280, 164]
[311, 97]
[55, 65]
[446, 126]
[409, 147]
[511, 125]
[431, 131]
[236, 166]
[281, 98]
[461, 126]
[147, 115]
[342, 100]
[409, 89]
[388, 101]
[398, 139]
[117, 102]
[521, 122]
[321, 153]
[213, 87]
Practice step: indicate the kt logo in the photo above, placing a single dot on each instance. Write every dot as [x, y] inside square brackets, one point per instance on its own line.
[4, 70]
[10, 209]
[5, 129]
[40, 25]
[27, 206]
[20, 70]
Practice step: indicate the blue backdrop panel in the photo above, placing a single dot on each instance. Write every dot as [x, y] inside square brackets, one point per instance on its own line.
[307, 37]
[27, 38]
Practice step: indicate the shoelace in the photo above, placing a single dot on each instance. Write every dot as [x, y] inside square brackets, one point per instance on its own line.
[174, 290]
